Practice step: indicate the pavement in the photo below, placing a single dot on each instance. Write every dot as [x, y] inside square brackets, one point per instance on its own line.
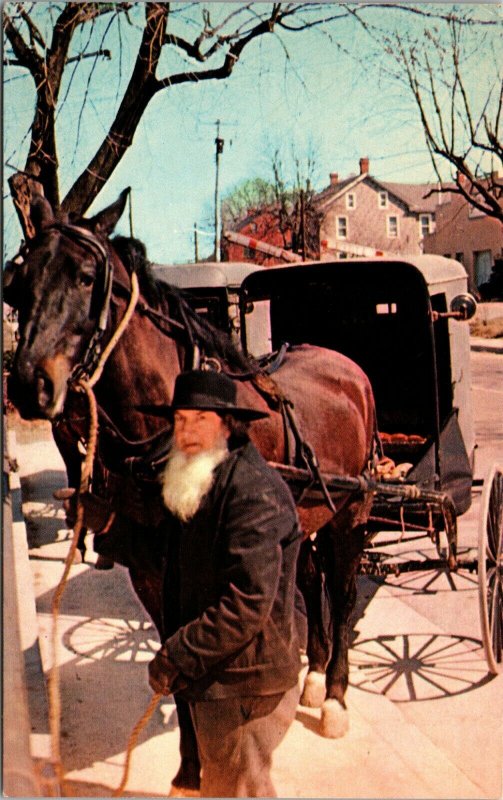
[481, 345]
[425, 714]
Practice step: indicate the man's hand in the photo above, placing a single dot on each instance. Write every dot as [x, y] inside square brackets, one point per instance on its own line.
[163, 676]
[97, 512]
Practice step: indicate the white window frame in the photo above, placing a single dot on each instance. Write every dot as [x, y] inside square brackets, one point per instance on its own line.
[351, 196]
[339, 219]
[425, 230]
[382, 198]
[391, 234]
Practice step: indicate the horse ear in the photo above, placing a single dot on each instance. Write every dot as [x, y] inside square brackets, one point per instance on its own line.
[41, 213]
[106, 220]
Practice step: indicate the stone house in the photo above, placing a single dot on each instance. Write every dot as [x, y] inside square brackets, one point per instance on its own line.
[361, 215]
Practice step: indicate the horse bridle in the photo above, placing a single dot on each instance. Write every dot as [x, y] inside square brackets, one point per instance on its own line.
[90, 242]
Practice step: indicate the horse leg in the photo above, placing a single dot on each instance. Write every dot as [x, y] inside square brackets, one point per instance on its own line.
[310, 581]
[346, 549]
[70, 454]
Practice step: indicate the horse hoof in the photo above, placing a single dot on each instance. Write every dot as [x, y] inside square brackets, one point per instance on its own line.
[177, 791]
[102, 562]
[334, 720]
[314, 691]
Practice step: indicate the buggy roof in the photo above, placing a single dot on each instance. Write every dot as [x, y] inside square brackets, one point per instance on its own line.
[434, 269]
[205, 274]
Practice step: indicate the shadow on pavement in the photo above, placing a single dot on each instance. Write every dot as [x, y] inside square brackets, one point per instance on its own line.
[97, 593]
[101, 701]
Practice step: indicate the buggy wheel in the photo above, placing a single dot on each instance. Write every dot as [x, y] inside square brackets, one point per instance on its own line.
[490, 568]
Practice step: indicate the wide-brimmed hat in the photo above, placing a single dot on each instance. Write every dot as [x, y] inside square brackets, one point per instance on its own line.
[204, 390]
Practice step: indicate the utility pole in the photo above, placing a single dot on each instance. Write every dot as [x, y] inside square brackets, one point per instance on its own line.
[303, 224]
[196, 244]
[219, 145]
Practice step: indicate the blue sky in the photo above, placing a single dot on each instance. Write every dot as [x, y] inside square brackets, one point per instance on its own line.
[336, 100]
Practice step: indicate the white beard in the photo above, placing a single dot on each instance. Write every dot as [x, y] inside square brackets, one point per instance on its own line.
[187, 478]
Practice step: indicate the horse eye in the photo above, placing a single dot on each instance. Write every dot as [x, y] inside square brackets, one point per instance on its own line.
[86, 280]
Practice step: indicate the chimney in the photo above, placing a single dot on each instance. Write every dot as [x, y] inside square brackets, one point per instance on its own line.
[334, 178]
[364, 166]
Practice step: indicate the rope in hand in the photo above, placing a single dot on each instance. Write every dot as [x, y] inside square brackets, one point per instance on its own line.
[54, 695]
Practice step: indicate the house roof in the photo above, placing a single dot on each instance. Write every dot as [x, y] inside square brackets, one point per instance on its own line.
[411, 194]
[414, 194]
[251, 215]
[334, 191]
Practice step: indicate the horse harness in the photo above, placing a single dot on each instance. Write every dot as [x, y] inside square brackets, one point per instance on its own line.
[145, 457]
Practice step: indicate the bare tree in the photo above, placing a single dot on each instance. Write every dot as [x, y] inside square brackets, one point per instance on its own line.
[458, 102]
[207, 41]
[199, 42]
[293, 179]
[284, 198]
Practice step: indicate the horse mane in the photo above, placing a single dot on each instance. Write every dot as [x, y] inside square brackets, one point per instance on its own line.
[169, 299]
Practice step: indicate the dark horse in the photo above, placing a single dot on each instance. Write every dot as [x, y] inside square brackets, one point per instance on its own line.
[70, 280]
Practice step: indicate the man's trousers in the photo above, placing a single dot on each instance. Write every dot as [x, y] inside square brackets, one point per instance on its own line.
[236, 738]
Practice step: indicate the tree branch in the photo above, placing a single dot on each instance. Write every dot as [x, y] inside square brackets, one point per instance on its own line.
[141, 88]
[231, 58]
[26, 56]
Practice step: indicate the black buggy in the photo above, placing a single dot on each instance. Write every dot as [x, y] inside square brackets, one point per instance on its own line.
[403, 321]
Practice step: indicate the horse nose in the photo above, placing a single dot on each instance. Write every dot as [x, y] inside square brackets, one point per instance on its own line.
[51, 377]
[44, 390]
[38, 390]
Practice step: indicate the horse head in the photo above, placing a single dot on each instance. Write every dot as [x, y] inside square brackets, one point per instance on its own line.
[60, 285]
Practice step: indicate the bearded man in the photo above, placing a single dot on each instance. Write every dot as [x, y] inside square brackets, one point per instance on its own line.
[231, 647]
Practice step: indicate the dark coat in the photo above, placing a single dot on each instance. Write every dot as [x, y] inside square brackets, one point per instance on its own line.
[229, 582]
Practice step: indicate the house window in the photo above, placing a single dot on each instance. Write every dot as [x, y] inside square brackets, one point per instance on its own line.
[382, 199]
[392, 226]
[350, 200]
[342, 227]
[482, 262]
[426, 224]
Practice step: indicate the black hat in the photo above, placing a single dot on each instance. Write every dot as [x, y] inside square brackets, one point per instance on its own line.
[204, 390]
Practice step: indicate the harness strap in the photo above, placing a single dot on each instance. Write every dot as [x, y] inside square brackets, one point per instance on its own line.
[309, 456]
[272, 392]
[266, 365]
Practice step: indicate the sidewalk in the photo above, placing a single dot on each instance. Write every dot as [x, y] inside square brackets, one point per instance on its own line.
[478, 343]
[447, 745]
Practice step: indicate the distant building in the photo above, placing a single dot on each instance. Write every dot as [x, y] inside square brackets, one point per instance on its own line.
[467, 235]
[361, 212]
[262, 224]
[361, 216]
